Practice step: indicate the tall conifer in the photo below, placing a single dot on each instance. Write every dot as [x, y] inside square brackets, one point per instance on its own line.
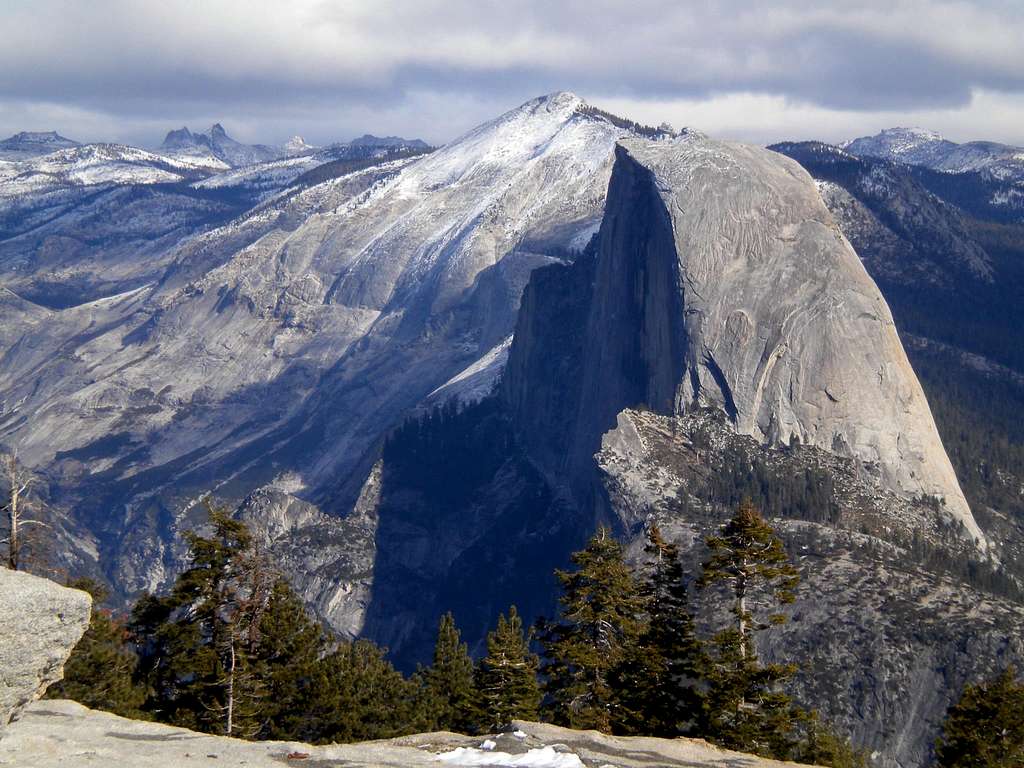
[450, 690]
[660, 684]
[746, 708]
[202, 639]
[601, 618]
[288, 657]
[507, 675]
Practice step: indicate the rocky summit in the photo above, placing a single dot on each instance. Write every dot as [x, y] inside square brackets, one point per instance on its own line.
[774, 319]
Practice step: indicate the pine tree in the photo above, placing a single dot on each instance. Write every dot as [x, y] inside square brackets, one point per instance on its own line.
[985, 729]
[450, 691]
[746, 708]
[749, 558]
[233, 650]
[361, 696]
[820, 745]
[660, 683]
[287, 657]
[507, 675]
[99, 672]
[226, 591]
[601, 618]
[200, 642]
[161, 645]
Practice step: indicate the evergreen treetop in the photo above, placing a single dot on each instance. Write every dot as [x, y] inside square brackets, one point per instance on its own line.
[204, 637]
[985, 729]
[745, 706]
[661, 679]
[507, 675]
[450, 690]
[750, 559]
[601, 617]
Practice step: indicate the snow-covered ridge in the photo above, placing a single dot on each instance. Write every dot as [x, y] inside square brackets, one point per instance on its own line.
[898, 141]
[27, 144]
[297, 145]
[411, 270]
[91, 164]
[214, 148]
[917, 146]
[216, 143]
[55, 175]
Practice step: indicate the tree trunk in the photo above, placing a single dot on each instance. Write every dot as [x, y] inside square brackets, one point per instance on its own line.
[231, 689]
[12, 516]
[741, 610]
[12, 544]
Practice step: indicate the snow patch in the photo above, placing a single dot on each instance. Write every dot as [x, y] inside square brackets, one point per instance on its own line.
[475, 382]
[541, 757]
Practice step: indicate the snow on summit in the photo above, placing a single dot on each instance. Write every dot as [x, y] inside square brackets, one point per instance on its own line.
[917, 146]
[411, 270]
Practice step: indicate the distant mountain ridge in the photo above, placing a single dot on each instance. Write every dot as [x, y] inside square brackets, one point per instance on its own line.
[369, 140]
[217, 143]
[80, 222]
[917, 146]
[28, 144]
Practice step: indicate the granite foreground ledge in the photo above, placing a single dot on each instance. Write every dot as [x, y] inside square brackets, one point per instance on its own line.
[40, 623]
[56, 733]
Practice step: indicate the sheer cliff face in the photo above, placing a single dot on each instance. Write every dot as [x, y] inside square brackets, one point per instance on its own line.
[720, 316]
[721, 280]
[784, 329]
[636, 349]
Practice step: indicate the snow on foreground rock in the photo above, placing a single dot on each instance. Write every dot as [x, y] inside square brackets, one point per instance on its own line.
[64, 733]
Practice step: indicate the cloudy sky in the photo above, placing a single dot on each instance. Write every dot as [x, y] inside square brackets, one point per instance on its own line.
[332, 69]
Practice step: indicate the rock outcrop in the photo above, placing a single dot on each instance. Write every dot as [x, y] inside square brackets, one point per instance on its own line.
[722, 280]
[888, 623]
[40, 622]
[54, 732]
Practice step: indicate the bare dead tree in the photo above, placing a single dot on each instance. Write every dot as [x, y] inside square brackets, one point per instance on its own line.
[18, 482]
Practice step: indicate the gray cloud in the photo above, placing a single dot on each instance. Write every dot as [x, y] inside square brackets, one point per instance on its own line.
[433, 67]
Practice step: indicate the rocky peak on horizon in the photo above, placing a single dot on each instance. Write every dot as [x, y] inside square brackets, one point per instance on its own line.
[217, 143]
[29, 144]
[918, 146]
